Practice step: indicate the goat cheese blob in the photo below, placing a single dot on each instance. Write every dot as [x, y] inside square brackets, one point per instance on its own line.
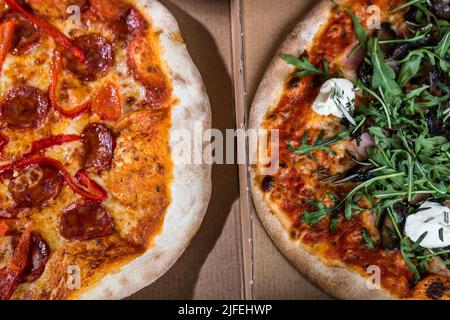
[432, 218]
[336, 96]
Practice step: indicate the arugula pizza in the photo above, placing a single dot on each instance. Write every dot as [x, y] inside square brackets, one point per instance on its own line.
[359, 97]
[93, 204]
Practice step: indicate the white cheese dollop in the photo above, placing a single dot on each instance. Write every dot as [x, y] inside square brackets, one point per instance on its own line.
[431, 217]
[334, 95]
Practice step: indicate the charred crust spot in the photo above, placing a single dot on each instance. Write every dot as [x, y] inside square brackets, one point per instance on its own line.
[267, 183]
[294, 82]
[436, 290]
[294, 234]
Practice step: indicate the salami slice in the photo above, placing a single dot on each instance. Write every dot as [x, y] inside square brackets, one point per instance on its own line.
[85, 220]
[107, 102]
[99, 54]
[25, 107]
[135, 21]
[36, 186]
[99, 144]
[27, 36]
[113, 10]
[145, 67]
[39, 255]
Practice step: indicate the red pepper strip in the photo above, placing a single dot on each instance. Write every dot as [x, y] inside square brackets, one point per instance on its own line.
[4, 228]
[11, 275]
[23, 163]
[57, 35]
[3, 142]
[6, 38]
[92, 186]
[55, 70]
[51, 141]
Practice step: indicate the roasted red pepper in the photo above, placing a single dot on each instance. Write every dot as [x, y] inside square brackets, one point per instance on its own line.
[6, 37]
[55, 70]
[3, 142]
[51, 141]
[57, 35]
[92, 186]
[93, 194]
[12, 274]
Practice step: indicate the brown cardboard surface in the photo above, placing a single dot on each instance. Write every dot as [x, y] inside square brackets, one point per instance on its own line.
[266, 24]
[211, 268]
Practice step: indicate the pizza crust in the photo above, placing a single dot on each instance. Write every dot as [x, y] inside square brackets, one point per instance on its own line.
[191, 185]
[337, 281]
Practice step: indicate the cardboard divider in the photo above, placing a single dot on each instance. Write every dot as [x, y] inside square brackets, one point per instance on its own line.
[241, 123]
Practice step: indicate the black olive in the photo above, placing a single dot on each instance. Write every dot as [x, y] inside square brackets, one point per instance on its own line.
[386, 33]
[365, 73]
[356, 174]
[447, 57]
[402, 51]
[435, 77]
[410, 15]
[441, 9]
[389, 238]
[402, 210]
[434, 124]
[268, 183]
[423, 76]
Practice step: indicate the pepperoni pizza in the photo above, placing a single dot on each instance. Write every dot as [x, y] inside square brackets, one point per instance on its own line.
[93, 204]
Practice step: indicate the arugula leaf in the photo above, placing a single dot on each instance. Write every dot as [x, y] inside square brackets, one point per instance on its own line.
[408, 4]
[319, 144]
[442, 51]
[409, 69]
[333, 224]
[370, 244]
[407, 254]
[306, 67]
[443, 45]
[361, 34]
[383, 75]
[315, 216]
